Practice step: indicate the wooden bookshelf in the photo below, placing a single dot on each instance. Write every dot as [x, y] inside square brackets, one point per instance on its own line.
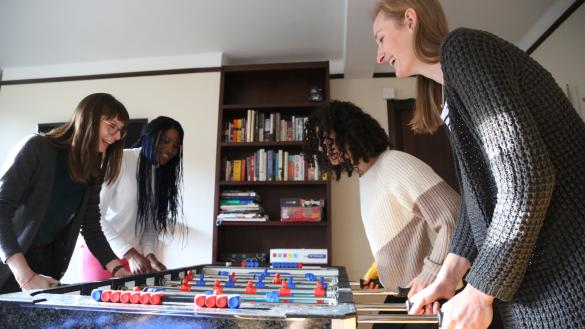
[269, 88]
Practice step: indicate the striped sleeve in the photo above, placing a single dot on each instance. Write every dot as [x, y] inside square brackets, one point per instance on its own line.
[438, 207]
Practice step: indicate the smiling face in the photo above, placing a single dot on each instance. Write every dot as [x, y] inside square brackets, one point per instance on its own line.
[111, 131]
[395, 39]
[170, 144]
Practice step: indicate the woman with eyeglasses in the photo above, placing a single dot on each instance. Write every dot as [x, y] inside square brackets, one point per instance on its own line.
[49, 193]
[144, 202]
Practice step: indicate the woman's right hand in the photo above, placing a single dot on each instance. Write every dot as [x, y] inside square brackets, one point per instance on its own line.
[138, 263]
[426, 300]
[27, 279]
[369, 283]
[368, 279]
[39, 281]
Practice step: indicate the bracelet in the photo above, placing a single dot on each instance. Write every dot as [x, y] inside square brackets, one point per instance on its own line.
[28, 281]
[116, 269]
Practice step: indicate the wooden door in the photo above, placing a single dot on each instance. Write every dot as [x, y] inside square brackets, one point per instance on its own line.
[434, 149]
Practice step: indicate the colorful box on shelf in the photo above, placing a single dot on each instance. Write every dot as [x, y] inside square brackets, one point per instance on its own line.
[303, 256]
[301, 210]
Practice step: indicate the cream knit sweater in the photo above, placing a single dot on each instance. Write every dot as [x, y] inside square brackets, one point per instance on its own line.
[409, 214]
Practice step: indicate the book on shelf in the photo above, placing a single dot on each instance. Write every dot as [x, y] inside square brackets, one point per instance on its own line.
[232, 201]
[234, 208]
[238, 205]
[272, 165]
[264, 127]
[261, 218]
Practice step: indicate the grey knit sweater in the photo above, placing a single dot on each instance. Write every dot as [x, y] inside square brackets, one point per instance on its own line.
[520, 150]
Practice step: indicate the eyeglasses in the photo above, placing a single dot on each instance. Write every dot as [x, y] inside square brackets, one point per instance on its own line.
[112, 129]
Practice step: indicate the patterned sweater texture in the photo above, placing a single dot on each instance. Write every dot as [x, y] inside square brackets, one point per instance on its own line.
[409, 215]
[520, 150]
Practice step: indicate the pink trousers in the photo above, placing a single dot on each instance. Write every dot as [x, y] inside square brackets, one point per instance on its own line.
[92, 269]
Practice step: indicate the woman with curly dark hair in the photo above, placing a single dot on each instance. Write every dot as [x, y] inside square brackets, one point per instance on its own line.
[402, 199]
[145, 201]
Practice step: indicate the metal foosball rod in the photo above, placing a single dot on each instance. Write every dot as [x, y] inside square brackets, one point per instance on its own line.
[401, 318]
[379, 292]
[264, 275]
[203, 300]
[266, 284]
[267, 274]
[294, 292]
[267, 277]
[189, 298]
[377, 307]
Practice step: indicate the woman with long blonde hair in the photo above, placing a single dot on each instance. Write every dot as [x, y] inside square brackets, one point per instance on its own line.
[519, 147]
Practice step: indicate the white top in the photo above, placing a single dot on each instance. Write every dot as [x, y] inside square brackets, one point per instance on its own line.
[119, 209]
[409, 215]
[445, 115]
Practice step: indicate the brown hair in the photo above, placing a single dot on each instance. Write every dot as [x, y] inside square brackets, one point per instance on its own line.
[81, 136]
[430, 30]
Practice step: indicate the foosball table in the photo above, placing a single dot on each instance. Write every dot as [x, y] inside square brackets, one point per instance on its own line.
[206, 296]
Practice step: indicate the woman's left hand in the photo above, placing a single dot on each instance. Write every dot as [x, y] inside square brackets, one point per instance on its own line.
[415, 286]
[122, 273]
[470, 308]
[155, 264]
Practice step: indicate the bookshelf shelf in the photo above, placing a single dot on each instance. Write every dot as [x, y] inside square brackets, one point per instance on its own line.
[253, 94]
[275, 223]
[274, 183]
[289, 144]
[273, 106]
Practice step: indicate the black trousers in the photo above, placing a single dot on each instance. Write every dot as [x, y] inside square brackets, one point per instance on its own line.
[42, 259]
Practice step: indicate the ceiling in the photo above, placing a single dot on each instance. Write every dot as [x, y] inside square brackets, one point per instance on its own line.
[40, 39]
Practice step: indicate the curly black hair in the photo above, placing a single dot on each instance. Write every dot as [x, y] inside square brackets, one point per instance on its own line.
[355, 133]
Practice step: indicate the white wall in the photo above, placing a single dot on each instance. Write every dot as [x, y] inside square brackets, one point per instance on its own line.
[191, 99]
[350, 245]
[563, 54]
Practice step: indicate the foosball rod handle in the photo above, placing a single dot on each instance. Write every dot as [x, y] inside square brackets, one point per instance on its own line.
[409, 305]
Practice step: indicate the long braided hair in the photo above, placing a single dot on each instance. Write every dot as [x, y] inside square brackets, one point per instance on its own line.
[159, 186]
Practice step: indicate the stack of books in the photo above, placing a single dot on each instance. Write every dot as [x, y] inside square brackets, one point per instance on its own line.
[240, 206]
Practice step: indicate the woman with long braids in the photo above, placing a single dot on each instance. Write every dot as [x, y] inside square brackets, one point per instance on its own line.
[145, 201]
[402, 199]
[49, 193]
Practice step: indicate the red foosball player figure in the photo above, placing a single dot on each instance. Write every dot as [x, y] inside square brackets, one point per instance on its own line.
[250, 288]
[217, 288]
[319, 291]
[185, 286]
[284, 290]
[276, 279]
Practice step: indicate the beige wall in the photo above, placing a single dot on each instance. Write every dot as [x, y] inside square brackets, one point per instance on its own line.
[192, 99]
[563, 54]
[350, 246]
